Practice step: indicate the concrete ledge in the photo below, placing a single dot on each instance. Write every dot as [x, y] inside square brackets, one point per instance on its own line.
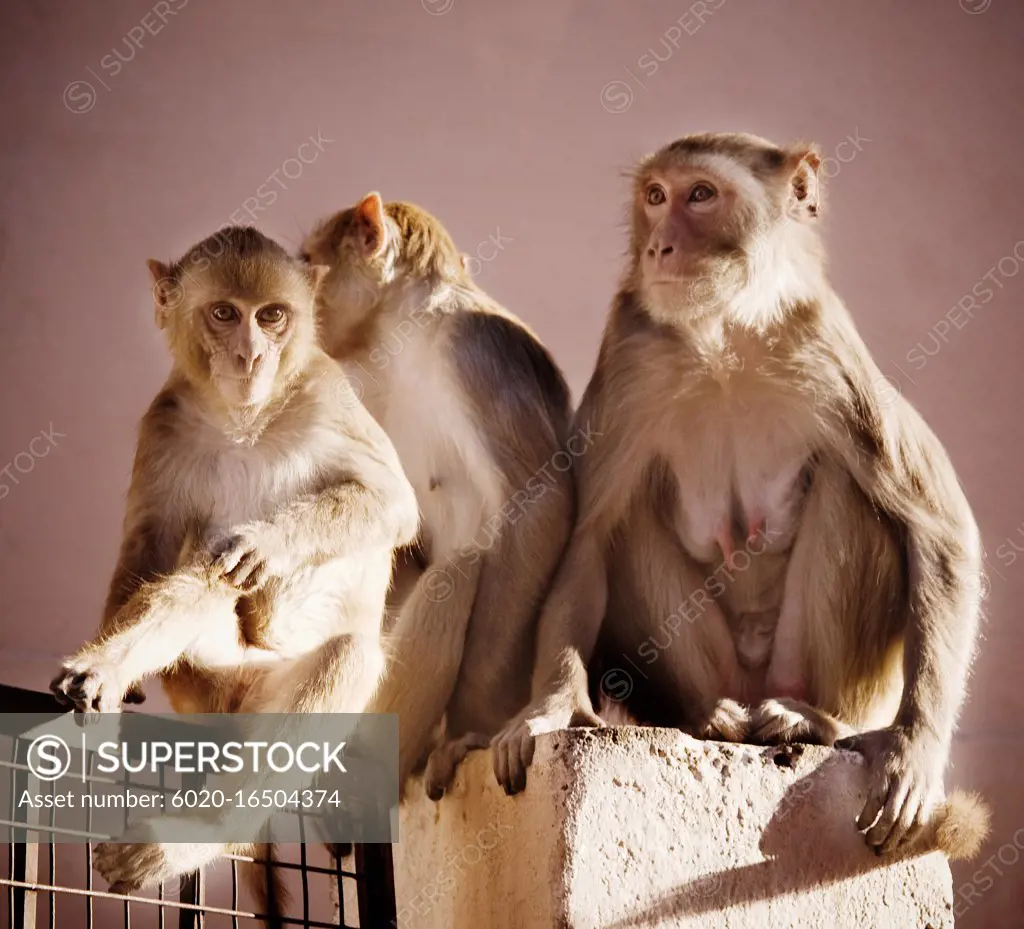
[627, 827]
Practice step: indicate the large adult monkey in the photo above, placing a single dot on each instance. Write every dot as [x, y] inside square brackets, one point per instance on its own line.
[734, 405]
[264, 508]
[479, 414]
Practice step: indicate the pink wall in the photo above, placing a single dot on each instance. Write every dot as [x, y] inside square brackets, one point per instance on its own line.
[512, 121]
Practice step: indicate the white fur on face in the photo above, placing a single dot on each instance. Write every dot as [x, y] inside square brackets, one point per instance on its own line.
[781, 263]
[244, 359]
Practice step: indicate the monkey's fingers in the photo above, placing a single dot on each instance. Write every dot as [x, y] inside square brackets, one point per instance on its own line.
[889, 817]
[57, 689]
[248, 573]
[910, 824]
[872, 809]
[86, 691]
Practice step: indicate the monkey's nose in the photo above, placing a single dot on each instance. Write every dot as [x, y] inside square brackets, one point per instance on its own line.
[248, 361]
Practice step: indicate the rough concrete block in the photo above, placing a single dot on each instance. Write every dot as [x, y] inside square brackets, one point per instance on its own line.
[627, 827]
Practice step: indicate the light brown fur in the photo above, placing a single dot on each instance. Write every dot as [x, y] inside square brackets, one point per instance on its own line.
[734, 400]
[264, 508]
[478, 412]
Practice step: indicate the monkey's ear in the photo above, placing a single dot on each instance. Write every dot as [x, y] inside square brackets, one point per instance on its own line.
[804, 180]
[371, 227]
[166, 290]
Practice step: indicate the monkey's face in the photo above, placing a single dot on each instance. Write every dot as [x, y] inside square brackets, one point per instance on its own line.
[705, 209]
[240, 326]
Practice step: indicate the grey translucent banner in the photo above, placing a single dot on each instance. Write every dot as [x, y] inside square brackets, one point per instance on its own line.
[135, 777]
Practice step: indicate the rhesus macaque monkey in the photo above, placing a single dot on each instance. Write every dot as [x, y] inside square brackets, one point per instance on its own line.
[479, 414]
[264, 507]
[759, 525]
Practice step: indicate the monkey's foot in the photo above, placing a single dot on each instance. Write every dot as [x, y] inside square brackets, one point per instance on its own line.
[131, 866]
[728, 721]
[513, 746]
[444, 760]
[89, 687]
[784, 720]
[906, 780]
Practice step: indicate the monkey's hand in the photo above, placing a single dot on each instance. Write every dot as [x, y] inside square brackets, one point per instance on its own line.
[90, 685]
[905, 785]
[249, 557]
[513, 746]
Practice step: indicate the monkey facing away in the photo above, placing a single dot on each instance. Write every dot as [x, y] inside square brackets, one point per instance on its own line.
[264, 507]
[767, 544]
[479, 414]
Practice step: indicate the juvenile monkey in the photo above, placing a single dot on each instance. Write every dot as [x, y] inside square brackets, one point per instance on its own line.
[733, 401]
[479, 414]
[264, 507]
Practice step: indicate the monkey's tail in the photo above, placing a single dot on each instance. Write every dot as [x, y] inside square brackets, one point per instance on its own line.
[263, 878]
[959, 825]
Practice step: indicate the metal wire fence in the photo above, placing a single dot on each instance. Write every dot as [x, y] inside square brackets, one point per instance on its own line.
[48, 883]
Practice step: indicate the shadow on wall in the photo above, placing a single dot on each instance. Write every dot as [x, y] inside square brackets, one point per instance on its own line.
[794, 865]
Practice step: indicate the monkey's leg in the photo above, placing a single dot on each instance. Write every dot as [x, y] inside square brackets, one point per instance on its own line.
[568, 628]
[431, 633]
[829, 659]
[494, 678]
[160, 623]
[663, 597]
[338, 677]
[787, 670]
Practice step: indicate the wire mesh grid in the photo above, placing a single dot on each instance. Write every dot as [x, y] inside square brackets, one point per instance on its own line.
[46, 883]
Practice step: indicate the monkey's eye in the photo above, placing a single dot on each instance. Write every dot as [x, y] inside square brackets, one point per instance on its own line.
[304, 257]
[701, 193]
[271, 315]
[224, 312]
[656, 195]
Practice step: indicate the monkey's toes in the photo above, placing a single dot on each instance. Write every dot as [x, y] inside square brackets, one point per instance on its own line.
[728, 722]
[784, 721]
[440, 772]
[513, 752]
[445, 760]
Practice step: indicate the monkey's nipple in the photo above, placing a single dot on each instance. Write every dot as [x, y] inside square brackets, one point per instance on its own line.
[725, 542]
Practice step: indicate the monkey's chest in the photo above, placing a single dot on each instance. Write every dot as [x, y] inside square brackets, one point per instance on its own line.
[242, 484]
[441, 446]
[741, 469]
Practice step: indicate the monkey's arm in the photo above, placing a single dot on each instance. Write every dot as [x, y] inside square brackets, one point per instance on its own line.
[151, 543]
[149, 546]
[369, 502]
[903, 469]
[144, 555]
